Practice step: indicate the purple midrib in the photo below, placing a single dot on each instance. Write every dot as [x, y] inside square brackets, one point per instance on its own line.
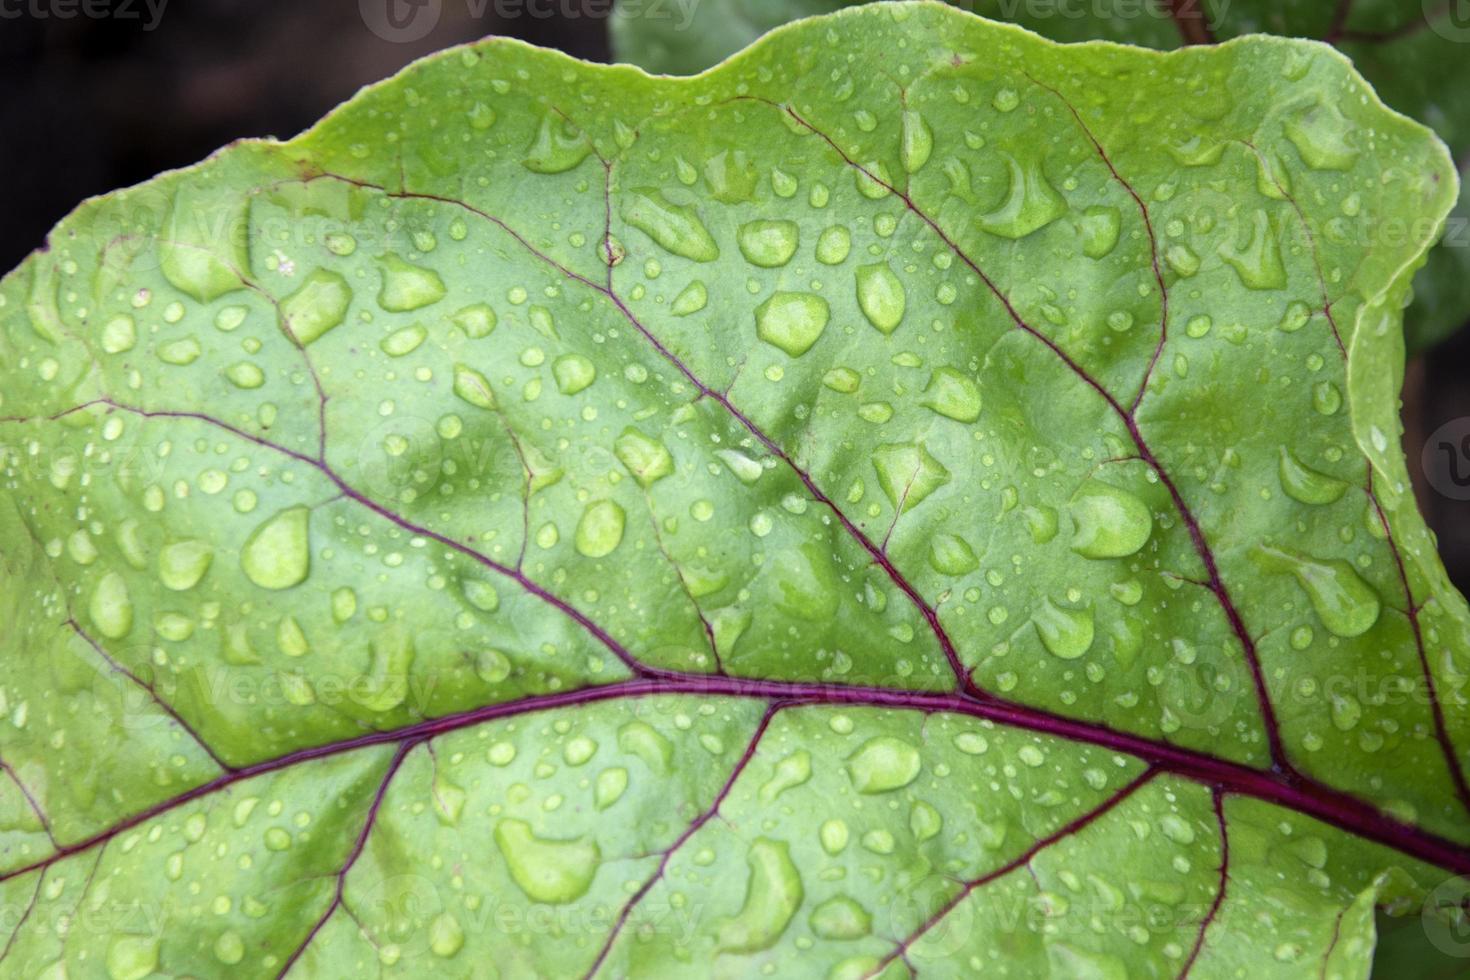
[1321, 802]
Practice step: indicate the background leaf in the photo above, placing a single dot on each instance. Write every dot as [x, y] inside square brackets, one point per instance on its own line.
[800, 518]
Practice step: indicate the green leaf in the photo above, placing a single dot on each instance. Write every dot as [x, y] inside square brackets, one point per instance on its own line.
[1412, 52]
[551, 517]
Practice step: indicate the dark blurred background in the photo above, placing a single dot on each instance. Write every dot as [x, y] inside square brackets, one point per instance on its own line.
[92, 103]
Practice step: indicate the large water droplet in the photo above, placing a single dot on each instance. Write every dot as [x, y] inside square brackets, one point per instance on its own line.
[1304, 484]
[1030, 205]
[552, 871]
[773, 893]
[1344, 603]
[881, 296]
[804, 584]
[132, 957]
[791, 771]
[916, 143]
[556, 148]
[908, 474]
[883, 764]
[407, 287]
[792, 321]
[1109, 522]
[677, 228]
[1259, 263]
[600, 530]
[111, 607]
[473, 387]
[647, 459]
[769, 244]
[182, 564]
[1066, 633]
[277, 554]
[953, 395]
[840, 917]
[950, 554]
[319, 304]
[1320, 133]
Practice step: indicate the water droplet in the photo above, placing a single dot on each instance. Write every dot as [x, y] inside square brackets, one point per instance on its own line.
[641, 739]
[676, 228]
[229, 948]
[245, 375]
[492, 666]
[403, 342]
[119, 334]
[407, 287]
[1030, 205]
[1320, 134]
[1100, 226]
[791, 771]
[693, 298]
[473, 387]
[611, 784]
[883, 764]
[917, 142]
[833, 245]
[792, 321]
[908, 474]
[950, 554]
[111, 607]
[769, 244]
[1259, 263]
[446, 935]
[319, 304]
[182, 564]
[180, 353]
[1345, 604]
[1109, 522]
[556, 148]
[834, 836]
[804, 584]
[132, 957]
[1066, 633]
[600, 530]
[924, 821]
[277, 554]
[573, 373]
[552, 871]
[773, 893]
[732, 177]
[647, 459]
[1306, 485]
[476, 321]
[840, 917]
[953, 395]
[881, 296]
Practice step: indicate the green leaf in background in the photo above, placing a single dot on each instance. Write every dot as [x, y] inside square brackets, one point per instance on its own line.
[917, 498]
[1416, 53]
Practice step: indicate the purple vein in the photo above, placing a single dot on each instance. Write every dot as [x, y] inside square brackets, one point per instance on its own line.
[1411, 607]
[1217, 798]
[1153, 242]
[1024, 858]
[1196, 532]
[962, 674]
[350, 492]
[1314, 799]
[31, 801]
[153, 694]
[357, 849]
[24, 917]
[693, 828]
